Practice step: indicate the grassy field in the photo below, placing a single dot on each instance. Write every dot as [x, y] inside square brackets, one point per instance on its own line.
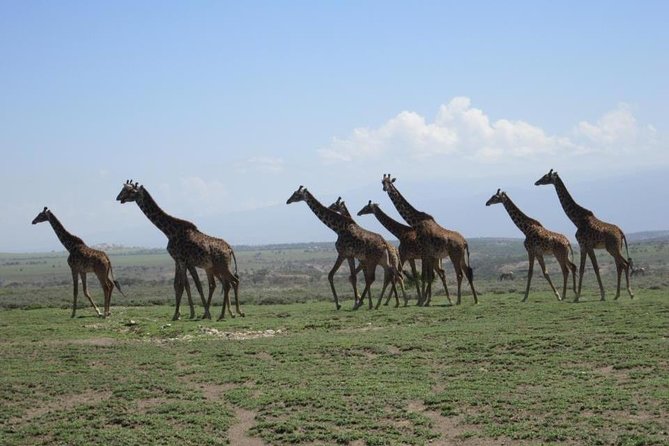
[501, 372]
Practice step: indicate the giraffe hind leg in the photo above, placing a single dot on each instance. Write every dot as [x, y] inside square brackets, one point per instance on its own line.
[84, 285]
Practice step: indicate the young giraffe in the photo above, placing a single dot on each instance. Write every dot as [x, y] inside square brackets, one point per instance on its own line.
[409, 250]
[82, 260]
[393, 254]
[591, 234]
[435, 241]
[189, 248]
[353, 242]
[539, 241]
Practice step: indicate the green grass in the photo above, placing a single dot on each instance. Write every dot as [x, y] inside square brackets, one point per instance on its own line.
[543, 372]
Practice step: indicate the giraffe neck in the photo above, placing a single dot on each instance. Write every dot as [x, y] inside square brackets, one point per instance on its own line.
[574, 211]
[345, 212]
[333, 220]
[410, 214]
[68, 240]
[521, 220]
[393, 226]
[170, 226]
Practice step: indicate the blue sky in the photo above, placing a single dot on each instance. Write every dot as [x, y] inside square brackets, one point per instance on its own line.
[223, 108]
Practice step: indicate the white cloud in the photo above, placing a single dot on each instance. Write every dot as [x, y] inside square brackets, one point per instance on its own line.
[466, 132]
[616, 128]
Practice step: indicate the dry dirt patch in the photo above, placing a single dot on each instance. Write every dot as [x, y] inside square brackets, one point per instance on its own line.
[238, 434]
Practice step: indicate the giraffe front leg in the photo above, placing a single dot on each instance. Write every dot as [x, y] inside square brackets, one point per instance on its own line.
[84, 286]
[353, 278]
[190, 298]
[581, 271]
[198, 285]
[75, 284]
[331, 274]
[530, 270]
[595, 266]
[178, 289]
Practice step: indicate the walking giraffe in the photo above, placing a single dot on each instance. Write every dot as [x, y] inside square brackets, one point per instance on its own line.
[393, 254]
[539, 241]
[82, 260]
[591, 234]
[409, 249]
[352, 242]
[189, 248]
[435, 241]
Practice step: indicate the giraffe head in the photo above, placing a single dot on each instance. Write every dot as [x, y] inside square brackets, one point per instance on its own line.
[299, 195]
[499, 197]
[549, 178]
[368, 209]
[338, 206]
[42, 216]
[387, 182]
[129, 192]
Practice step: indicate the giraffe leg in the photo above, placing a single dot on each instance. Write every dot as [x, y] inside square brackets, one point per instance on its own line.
[469, 274]
[412, 263]
[581, 271]
[387, 279]
[370, 276]
[226, 301]
[179, 275]
[530, 270]
[595, 266]
[334, 269]
[190, 298]
[424, 265]
[198, 286]
[563, 262]
[428, 277]
[353, 277]
[107, 289]
[235, 289]
[75, 285]
[540, 258]
[442, 275]
[622, 264]
[84, 286]
[211, 280]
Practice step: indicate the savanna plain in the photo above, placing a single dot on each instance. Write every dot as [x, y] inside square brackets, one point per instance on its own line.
[297, 371]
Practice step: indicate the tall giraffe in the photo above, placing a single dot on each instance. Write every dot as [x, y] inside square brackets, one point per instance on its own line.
[591, 234]
[393, 254]
[82, 260]
[409, 249]
[189, 248]
[352, 242]
[435, 241]
[539, 241]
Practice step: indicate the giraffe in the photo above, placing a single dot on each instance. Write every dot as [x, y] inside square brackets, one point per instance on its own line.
[82, 260]
[435, 241]
[591, 234]
[352, 242]
[393, 254]
[409, 249]
[539, 241]
[189, 248]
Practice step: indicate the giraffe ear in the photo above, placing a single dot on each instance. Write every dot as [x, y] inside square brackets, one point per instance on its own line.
[393, 180]
[370, 203]
[498, 191]
[44, 209]
[550, 171]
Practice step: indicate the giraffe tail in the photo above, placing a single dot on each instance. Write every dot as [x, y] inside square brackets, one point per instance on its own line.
[470, 271]
[116, 284]
[235, 260]
[629, 259]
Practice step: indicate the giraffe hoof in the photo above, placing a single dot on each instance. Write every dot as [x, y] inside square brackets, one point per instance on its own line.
[242, 314]
[222, 318]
